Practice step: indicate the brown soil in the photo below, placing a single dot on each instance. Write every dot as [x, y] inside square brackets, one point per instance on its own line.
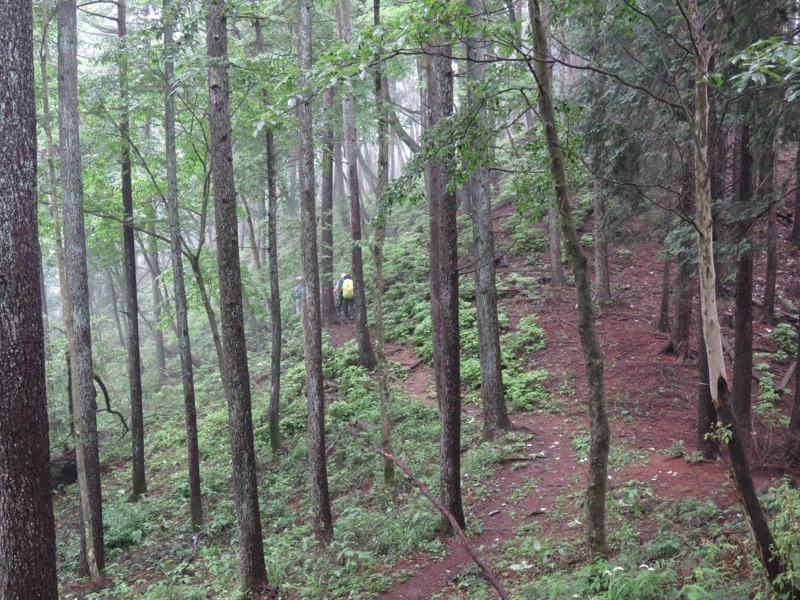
[650, 403]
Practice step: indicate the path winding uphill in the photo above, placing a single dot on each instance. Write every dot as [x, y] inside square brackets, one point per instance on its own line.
[540, 483]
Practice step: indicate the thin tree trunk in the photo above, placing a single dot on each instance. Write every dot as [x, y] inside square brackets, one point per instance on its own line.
[592, 352]
[794, 425]
[770, 279]
[251, 234]
[796, 214]
[554, 239]
[338, 186]
[312, 323]
[131, 292]
[495, 413]
[602, 285]
[682, 318]
[707, 443]
[743, 348]
[329, 314]
[444, 283]
[377, 253]
[718, 379]
[27, 528]
[365, 350]
[158, 300]
[181, 310]
[114, 307]
[663, 313]
[85, 407]
[273, 411]
[212, 316]
[236, 376]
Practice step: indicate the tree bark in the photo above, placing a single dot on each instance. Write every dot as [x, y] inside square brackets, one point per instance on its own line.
[663, 313]
[766, 191]
[707, 443]
[194, 261]
[181, 310]
[273, 411]
[743, 347]
[131, 291]
[794, 424]
[323, 520]
[602, 285]
[444, 283]
[236, 376]
[365, 349]
[85, 407]
[495, 413]
[682, 301]
[796, 214]
[757, 522]
[592, 352]
[554, 239]
[330, 316]
[27, 528]
[377, 253]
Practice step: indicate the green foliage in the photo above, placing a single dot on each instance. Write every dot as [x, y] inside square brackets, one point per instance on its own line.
[785, 337]
[771, 59]
[525, 390]
[677, 449]
[125, 523]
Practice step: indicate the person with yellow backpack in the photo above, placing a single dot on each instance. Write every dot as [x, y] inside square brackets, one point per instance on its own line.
[346, 295]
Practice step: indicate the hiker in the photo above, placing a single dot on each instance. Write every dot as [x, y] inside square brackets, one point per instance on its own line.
[298, 295]
[347, 294]
[337, 292]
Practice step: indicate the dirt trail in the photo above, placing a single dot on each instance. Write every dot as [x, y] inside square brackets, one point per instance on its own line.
[650, 404]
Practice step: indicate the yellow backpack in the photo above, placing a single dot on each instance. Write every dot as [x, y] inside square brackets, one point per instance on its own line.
[347, 288]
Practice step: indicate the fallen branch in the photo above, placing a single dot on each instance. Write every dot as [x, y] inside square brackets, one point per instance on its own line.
[108, 404]
[461, 536]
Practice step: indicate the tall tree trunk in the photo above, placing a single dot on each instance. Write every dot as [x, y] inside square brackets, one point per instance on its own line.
[273, 411]
[663, 313]
[554, 239]
[743, 348]
[27, 528]
[251, 234]
[338, 187]
[377, 253]
[718, 378]
[682, 318]
[365, 350]
[158, 300]
[592, 352]
[236, 376]
[131, 291]
[495, 413]
[194, 261]
[794, 424]
[114, 306]
[602, 285]
[444, 282]
[329, 314]
[312, 323]
[766, 192]
[86, 446]
[707, 443]
[796, 214]
[181, 310]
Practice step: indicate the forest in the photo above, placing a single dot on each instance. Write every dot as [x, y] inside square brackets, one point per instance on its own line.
[421, 299]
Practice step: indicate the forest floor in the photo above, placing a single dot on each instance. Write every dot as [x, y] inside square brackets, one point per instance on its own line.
[651, 401]
[535, 492]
